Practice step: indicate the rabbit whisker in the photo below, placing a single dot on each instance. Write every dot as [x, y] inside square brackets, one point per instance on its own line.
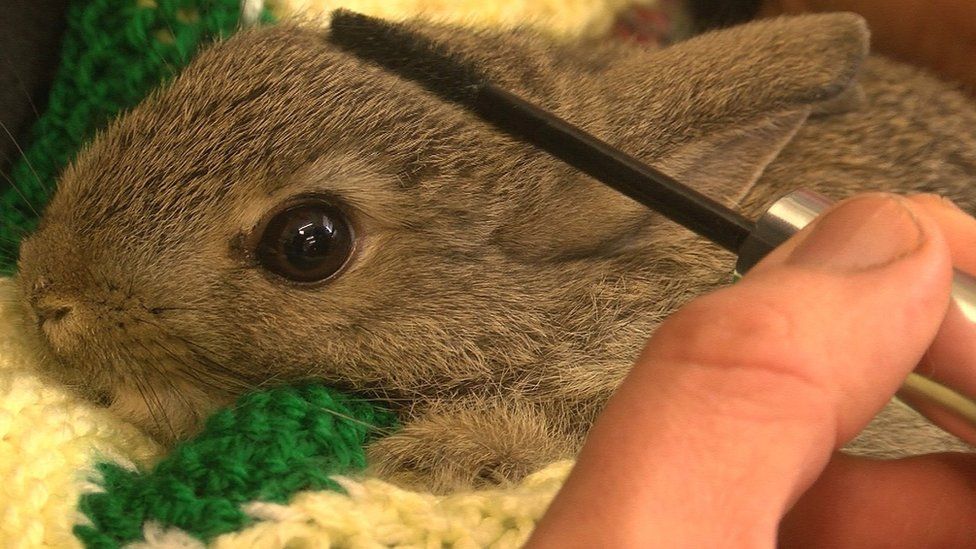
[370, 426]
[23, 155]
[21, 85]
[153, 405]
[19, 191]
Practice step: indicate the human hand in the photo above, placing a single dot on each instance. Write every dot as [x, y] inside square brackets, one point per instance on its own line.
[733, 413]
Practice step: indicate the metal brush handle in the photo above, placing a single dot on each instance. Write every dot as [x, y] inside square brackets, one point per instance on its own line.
[946, 407]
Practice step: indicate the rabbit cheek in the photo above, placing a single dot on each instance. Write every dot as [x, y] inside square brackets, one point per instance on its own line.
[167, 409]
[110, 348]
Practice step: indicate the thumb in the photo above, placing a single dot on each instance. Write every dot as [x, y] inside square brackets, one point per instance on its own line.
[739, 399]
[844, 311]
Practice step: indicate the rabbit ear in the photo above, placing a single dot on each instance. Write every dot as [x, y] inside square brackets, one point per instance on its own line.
[748, 90]
[747, 70]
[726, 164]
[767, 66]
[722, 82]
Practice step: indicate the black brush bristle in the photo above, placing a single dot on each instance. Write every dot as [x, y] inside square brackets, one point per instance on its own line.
[407, 54]
[415, 57]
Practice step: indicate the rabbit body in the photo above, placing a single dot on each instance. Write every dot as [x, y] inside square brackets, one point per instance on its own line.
[496, 297]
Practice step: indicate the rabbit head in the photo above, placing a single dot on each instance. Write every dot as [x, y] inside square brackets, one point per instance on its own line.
[284, 211]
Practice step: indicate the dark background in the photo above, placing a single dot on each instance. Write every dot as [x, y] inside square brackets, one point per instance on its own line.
[30, 40]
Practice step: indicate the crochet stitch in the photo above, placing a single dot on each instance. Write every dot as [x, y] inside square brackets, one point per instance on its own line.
[49, 441]
[558, 18]
[249, 481]
[114, 53]
[373, 513]
[259, 475]
[270, 445]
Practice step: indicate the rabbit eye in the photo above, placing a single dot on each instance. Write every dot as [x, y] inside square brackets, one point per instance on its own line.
[307, 242]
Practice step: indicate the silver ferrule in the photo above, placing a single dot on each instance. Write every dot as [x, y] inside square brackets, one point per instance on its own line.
[777, 224]
[964, 294]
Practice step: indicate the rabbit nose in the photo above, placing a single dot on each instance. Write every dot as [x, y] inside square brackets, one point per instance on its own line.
[51, 310]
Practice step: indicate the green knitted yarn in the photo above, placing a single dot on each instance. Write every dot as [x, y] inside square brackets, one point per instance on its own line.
[114, 52]
[270, 445]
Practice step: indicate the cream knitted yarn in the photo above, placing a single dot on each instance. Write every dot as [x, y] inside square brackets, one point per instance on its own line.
[376, 514]
[48, 442]
[564, 18]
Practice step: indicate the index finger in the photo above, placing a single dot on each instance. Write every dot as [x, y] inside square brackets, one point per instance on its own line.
[951, 359]
[958, 229]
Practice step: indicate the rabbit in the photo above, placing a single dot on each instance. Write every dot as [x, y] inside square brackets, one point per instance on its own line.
[283, 211]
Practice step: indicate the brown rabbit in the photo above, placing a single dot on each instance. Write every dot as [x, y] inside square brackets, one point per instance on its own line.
[283, 211]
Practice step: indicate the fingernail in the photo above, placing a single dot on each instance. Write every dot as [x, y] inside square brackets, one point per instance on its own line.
[947, 202]
[863, 233]
[937, 200]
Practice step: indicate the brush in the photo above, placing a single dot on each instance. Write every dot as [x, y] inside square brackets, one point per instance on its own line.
[424, 61]
[415, 57]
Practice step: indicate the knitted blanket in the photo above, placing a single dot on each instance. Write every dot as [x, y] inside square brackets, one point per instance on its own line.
[282, 467]
[279, 469]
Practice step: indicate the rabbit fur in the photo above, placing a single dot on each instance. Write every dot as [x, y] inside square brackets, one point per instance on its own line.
[496, 297]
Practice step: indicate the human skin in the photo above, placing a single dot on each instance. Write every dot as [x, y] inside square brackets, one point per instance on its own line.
[732, 417]
[937, 34]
